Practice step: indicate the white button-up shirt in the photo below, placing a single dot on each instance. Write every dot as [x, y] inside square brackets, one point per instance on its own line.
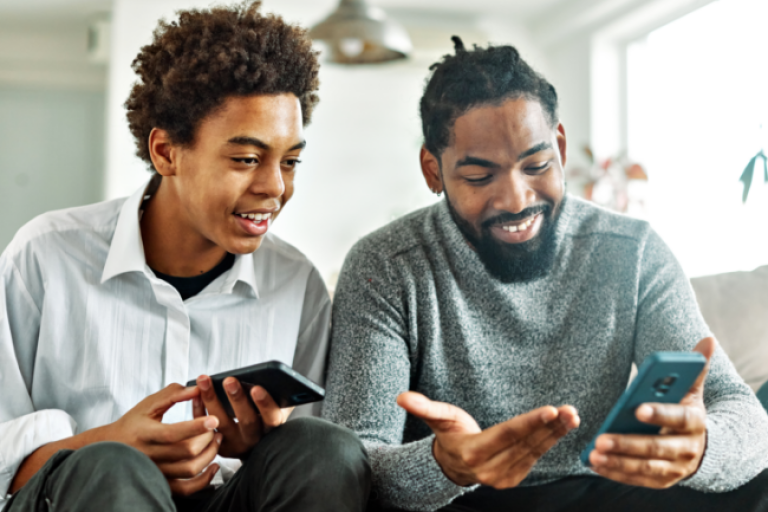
[87, 330]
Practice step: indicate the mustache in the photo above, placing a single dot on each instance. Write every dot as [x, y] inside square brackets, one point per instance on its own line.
[511, 217]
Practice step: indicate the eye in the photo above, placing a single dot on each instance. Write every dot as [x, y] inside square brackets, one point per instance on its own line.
[538, 168]
[292, 163]
[246, 161]
[477, 179]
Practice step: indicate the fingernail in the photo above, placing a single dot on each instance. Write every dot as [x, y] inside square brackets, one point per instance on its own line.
[219, 437]
[211, 423]
[231, 387]
[259, 393]
[203, 383]
[645, 412]
[606, 444]
[598, 458]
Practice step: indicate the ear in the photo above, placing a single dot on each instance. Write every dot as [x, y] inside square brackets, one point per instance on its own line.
[430, 168]
[561, 142]
[163, 152]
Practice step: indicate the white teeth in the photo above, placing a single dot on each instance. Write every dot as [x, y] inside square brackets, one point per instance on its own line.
[520, 227]
[258, 217]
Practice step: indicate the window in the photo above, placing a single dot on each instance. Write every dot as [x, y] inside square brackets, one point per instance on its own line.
[697, 112]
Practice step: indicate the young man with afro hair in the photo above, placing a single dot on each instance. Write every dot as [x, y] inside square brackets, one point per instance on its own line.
[106, 310]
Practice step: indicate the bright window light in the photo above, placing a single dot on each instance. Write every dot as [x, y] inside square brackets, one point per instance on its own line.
[697, 113]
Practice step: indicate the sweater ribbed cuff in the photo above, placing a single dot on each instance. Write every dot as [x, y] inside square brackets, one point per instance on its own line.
[718, 454]
[408, 476]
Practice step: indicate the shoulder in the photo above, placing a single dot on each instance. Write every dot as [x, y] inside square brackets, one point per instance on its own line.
[409, 232]
[57, 228]
[282, 252]
[586, 219]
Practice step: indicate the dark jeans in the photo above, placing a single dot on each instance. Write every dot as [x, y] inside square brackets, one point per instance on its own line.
[594, 494]
[306, 465]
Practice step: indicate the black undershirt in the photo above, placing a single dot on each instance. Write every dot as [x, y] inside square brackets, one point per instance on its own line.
[191, 286]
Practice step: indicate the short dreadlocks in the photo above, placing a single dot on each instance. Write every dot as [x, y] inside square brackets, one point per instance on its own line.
[469, 79]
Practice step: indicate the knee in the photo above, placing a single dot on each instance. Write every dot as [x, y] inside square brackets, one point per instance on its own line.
[324, 439]
[112, 460]
[326, 445]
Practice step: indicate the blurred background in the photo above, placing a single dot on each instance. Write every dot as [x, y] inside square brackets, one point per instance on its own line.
[665, 104]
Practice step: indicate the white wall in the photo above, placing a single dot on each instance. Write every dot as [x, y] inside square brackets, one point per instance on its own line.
[360, 169]
[51, 121]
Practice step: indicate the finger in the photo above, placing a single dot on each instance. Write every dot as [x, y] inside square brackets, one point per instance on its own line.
[198, 409]
[510, 466]
[213, 406]
[521, 434]
[247, 419]
[164, 433]
[676, 417]
[192, 467]
[193, 485]
[648, 447]
[271, 414]
[160, 402]
[649, 472]
[439, 416]
[706, 347]
[184, 450]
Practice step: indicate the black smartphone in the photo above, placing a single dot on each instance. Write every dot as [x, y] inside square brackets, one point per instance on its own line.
[286, 386]
[664, 377]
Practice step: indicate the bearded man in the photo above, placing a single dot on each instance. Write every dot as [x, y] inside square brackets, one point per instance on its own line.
[479, 343]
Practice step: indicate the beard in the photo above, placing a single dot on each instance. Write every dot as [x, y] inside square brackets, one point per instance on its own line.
[514, 263]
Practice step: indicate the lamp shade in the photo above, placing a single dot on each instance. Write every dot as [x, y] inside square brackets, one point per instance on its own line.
[358, 33]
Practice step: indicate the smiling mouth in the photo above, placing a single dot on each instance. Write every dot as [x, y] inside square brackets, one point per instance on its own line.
[254, 224]
[520, 226]
[257, 217]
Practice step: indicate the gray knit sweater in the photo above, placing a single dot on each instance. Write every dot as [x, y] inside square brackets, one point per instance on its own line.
[416, 310]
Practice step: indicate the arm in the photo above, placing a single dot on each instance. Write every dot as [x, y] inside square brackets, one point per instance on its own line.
[28, 438]
[23, 430]
[311, 356]
[733, 447]
[369, 367]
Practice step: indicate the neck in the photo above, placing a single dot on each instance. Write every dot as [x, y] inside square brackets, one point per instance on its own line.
[171, 245]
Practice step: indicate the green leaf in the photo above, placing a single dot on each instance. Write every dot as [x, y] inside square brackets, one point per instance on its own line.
[746, 178]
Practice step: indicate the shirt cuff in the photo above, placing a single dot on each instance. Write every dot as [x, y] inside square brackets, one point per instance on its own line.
[21, 436]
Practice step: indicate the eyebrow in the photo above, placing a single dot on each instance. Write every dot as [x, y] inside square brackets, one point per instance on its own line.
[253, 141]
[541, 146]
[479, 162]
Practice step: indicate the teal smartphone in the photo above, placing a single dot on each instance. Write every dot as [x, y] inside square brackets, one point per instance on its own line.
[664, 377]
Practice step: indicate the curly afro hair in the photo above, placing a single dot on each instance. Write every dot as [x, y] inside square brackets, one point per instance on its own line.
[195, 63]
[469, 79]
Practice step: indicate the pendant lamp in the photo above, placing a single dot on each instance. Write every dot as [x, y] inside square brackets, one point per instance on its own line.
[358, 33]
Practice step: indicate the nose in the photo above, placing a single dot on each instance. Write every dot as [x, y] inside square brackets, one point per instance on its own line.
[268, 180]
[514, 193]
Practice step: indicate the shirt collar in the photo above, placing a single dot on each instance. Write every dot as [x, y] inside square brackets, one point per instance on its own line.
[126, 252]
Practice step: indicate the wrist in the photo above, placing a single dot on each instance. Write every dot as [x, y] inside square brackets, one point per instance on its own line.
[440, 457]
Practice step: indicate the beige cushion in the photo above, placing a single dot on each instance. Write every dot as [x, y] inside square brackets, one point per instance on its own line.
[735, 305]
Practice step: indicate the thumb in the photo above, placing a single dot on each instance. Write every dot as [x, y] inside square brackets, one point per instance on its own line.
[441, 417]
[705, 347]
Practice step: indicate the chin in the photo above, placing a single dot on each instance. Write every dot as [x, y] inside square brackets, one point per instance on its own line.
[245, 248]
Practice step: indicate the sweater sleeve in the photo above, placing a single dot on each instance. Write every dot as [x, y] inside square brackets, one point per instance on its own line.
[668, 318]
[370, 365]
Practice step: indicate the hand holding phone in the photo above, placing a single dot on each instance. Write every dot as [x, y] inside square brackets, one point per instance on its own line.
[251, 401]
[647, 443]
